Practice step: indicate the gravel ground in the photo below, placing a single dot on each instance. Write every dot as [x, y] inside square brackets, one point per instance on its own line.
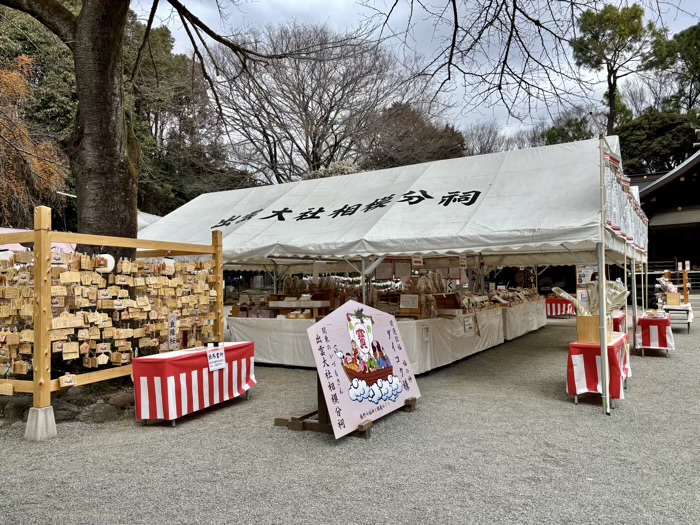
[495, 439]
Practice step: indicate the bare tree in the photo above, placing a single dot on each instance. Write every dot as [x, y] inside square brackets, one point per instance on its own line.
[531, 137]
[636, 96]
[485, 137]
[295, 115]
[403, 135]
[104, 154]
[514, 53]
[650, 90]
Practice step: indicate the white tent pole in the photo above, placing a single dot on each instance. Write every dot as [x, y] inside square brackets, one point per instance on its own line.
[646, 287]
[625, 283]
[634, 301]
[362, 281]
[374, 265]
[602, 293]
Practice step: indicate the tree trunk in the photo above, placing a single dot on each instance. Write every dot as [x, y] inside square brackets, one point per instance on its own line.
[104, 154]
[612, 105]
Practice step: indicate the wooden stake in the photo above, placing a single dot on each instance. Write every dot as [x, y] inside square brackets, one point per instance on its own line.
[217, 243]
[42, 307]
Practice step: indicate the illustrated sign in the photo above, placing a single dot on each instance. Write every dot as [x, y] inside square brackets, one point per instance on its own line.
[363, 366]
[217, 359]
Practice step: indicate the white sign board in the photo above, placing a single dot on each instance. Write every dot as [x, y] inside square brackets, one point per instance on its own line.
[172, 332]
[217, 359]
[408, 301]
[462, 261]
[362, 365]
[450, 285]
[417, 260]
[469, 326]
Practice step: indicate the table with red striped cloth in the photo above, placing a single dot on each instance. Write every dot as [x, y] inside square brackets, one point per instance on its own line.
[619, 321]
[556, 307]
[584, 368]
[654, 333]
[173, 384]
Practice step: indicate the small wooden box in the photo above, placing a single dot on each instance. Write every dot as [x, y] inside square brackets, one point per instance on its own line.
[673, 299]
[588, 329]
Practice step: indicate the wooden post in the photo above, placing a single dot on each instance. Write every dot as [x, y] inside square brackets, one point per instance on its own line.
[217, 242]
[42, 307]
[686, 299]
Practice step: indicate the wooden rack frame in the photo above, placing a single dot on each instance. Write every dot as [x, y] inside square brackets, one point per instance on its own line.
[42, 237]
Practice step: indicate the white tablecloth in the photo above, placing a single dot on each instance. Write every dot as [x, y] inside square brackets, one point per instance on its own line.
[432, 343]
[277, 341]
[284, 341]
[685, 311]
[541, 309]
[520, 319]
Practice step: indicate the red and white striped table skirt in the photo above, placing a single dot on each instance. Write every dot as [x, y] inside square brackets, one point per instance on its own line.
[556, 307]
[585, 365]
[173, 384]
[654, 333]
[619, 321]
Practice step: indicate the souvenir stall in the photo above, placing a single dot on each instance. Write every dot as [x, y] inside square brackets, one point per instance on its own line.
[504, 209]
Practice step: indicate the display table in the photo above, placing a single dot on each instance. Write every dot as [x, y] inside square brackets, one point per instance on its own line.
[432, 343]
[173, 384]
[683, 313]
[584, 368]
[277, 341]
[654, 333]
[558, 307]
[541, 309]
[522, 318]
[619, 321]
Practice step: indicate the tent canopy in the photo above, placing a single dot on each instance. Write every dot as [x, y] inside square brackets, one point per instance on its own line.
[516, 207]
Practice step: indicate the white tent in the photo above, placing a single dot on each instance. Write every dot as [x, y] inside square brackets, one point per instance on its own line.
[561, 204]
[146, 219]
[539, 205]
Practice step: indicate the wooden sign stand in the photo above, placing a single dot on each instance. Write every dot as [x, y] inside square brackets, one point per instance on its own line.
[320, 421]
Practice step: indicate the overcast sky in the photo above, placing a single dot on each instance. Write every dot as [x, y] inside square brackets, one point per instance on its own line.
[345, 15]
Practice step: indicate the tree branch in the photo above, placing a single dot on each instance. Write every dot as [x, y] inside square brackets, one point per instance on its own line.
[51, 13]
[146, 35]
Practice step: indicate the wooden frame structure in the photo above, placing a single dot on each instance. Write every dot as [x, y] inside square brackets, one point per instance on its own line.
[42, 237]
[319, 420]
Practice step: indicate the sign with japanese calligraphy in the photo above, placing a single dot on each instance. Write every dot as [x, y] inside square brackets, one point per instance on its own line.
[363, 365]
[172, 332]
[217, 359]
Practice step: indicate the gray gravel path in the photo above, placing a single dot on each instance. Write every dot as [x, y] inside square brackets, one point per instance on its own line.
[495, 439]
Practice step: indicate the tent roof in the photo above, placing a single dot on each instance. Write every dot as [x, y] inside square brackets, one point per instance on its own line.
[146, 219]
[540, 203]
